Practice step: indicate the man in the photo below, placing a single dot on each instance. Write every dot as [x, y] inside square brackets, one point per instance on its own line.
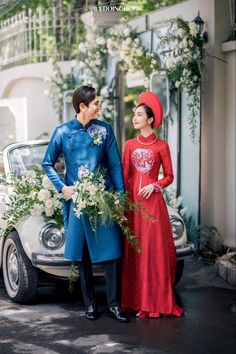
[86, 141]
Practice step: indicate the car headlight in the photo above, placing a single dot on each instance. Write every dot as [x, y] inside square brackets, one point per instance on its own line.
[177, 226]
[51, 237]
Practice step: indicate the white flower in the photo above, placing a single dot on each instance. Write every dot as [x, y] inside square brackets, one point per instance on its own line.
[82, 47]
[126, 32]
[169, 63]
[83, 171]
[92, 190]
[33, 194]
[78, 213]
[98, 62]
[100, 41]
[193, 29]
[128, 41]
[49, 211]
[46, 92]
[177, 84]
[185, 42]
[57, 204]
[104, 91]
[73, 63]
[48, 203]
[30, 175]
[139, 52]
[181, 32]
[44, 194]
[46, 183]
[190, 43]
[183, 211]
[82, 204]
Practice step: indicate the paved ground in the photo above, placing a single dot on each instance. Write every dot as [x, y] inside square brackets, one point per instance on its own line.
[55, 324]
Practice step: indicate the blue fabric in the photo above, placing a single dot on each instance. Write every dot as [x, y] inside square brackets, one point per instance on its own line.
[76, 143]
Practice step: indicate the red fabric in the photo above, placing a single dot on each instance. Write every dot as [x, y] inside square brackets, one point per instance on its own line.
[148, 277]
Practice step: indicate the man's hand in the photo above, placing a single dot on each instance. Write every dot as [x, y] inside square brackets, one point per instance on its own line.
[146, 191]
[67, 192]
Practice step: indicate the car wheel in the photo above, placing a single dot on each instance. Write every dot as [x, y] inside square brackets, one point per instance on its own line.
[20, 277]
[179, 271]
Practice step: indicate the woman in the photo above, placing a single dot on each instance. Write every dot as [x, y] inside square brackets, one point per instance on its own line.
[148, 277]
[86, 142]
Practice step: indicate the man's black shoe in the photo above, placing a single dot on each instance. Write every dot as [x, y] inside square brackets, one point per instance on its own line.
[115, 312]
[91, 312]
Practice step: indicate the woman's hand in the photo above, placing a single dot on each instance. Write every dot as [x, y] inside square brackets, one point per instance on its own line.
[67, 192]
[146, 191]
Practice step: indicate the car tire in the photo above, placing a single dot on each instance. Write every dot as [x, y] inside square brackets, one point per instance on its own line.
[20, 277]
[179, 271]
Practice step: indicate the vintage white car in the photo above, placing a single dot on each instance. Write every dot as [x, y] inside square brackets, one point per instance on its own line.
[34, 245]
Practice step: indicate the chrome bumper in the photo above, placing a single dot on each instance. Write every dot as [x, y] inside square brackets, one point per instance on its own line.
[185, 251]
[57, 260]
[50, 260]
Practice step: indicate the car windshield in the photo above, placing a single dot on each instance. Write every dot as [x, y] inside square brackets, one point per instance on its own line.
[26, 157]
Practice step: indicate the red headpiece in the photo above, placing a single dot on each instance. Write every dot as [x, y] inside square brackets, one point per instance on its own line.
[152, 101]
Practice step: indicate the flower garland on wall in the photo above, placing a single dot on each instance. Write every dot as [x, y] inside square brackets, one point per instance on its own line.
[91, 67]
[183, 55]
[180, 54]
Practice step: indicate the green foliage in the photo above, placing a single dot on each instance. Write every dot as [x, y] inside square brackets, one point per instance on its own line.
[14, 8]
[183, 58]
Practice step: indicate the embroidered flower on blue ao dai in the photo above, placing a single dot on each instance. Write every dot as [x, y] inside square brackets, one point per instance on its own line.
[83, 171]
[97, 133]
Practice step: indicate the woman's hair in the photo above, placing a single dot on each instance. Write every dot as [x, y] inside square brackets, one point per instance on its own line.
[148, 111]
[83, 94]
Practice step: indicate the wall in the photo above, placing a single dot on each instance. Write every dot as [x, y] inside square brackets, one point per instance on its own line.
[229, 49]
[28, 81]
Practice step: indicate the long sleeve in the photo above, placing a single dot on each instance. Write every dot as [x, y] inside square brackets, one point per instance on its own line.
[50, 158]
[114, 162]
[126, 166]
[167, 167]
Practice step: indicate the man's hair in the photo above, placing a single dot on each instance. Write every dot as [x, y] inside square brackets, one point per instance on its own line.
[83, 94]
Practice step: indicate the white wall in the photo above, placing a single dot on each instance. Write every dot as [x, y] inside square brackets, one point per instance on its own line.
[229, 49]
[28, 81]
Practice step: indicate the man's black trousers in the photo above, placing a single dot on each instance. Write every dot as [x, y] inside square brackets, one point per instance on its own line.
[113, 279]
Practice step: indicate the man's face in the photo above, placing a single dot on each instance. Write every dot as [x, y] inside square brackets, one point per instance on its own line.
[93, 108]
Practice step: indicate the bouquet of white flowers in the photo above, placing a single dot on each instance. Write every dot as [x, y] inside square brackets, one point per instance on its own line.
[101, 205]
[32, 195]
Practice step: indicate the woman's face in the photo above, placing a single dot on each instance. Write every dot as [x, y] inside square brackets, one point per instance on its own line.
[140, 119]
[93, 108]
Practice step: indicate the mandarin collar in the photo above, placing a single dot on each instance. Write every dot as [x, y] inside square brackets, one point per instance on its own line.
[80, 125]
[148, 138]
